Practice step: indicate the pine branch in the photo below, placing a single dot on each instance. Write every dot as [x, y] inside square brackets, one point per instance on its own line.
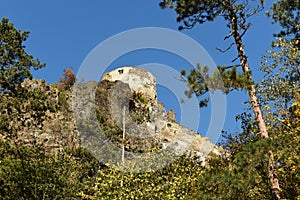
[227, 49]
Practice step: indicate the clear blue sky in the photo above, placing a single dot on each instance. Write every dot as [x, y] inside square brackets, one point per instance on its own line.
[63, 32]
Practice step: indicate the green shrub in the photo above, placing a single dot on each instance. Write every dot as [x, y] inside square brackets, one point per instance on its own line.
[26, 173]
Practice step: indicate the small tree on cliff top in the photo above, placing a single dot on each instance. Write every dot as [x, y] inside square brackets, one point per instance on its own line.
[68, 81]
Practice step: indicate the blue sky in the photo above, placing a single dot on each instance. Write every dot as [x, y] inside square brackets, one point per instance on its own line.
[64, 32]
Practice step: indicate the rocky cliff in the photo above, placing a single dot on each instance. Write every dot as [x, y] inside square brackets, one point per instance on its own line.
[127, 97]
[39, 117]
[125, 101]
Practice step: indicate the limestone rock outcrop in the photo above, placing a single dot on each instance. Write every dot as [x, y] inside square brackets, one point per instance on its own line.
[125, 98]
[154, 126]
[138, 79]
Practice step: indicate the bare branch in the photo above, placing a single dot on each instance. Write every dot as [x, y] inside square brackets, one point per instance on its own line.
[228, 36]
[232, 66]
[235, 59]
[245, 30]
[227, 49]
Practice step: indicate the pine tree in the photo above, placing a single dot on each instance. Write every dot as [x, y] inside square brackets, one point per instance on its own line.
[286, 13]
[15, 62]
[235, 14]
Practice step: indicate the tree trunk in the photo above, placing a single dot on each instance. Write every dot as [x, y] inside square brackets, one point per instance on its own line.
[256, 108]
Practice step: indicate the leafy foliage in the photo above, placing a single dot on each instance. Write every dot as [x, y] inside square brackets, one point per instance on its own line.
[176, 181]
[68, 81]
[279, 87]
[279, 94]
[285, 64]
[29, 174]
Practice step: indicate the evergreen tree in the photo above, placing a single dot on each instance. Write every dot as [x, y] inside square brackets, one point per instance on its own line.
[15, 62]
[235, 14]
[287, 14]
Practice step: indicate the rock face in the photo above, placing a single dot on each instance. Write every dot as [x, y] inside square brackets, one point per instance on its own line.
[138, 80]
[126, 98]
[39, 119]
[148, 124]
